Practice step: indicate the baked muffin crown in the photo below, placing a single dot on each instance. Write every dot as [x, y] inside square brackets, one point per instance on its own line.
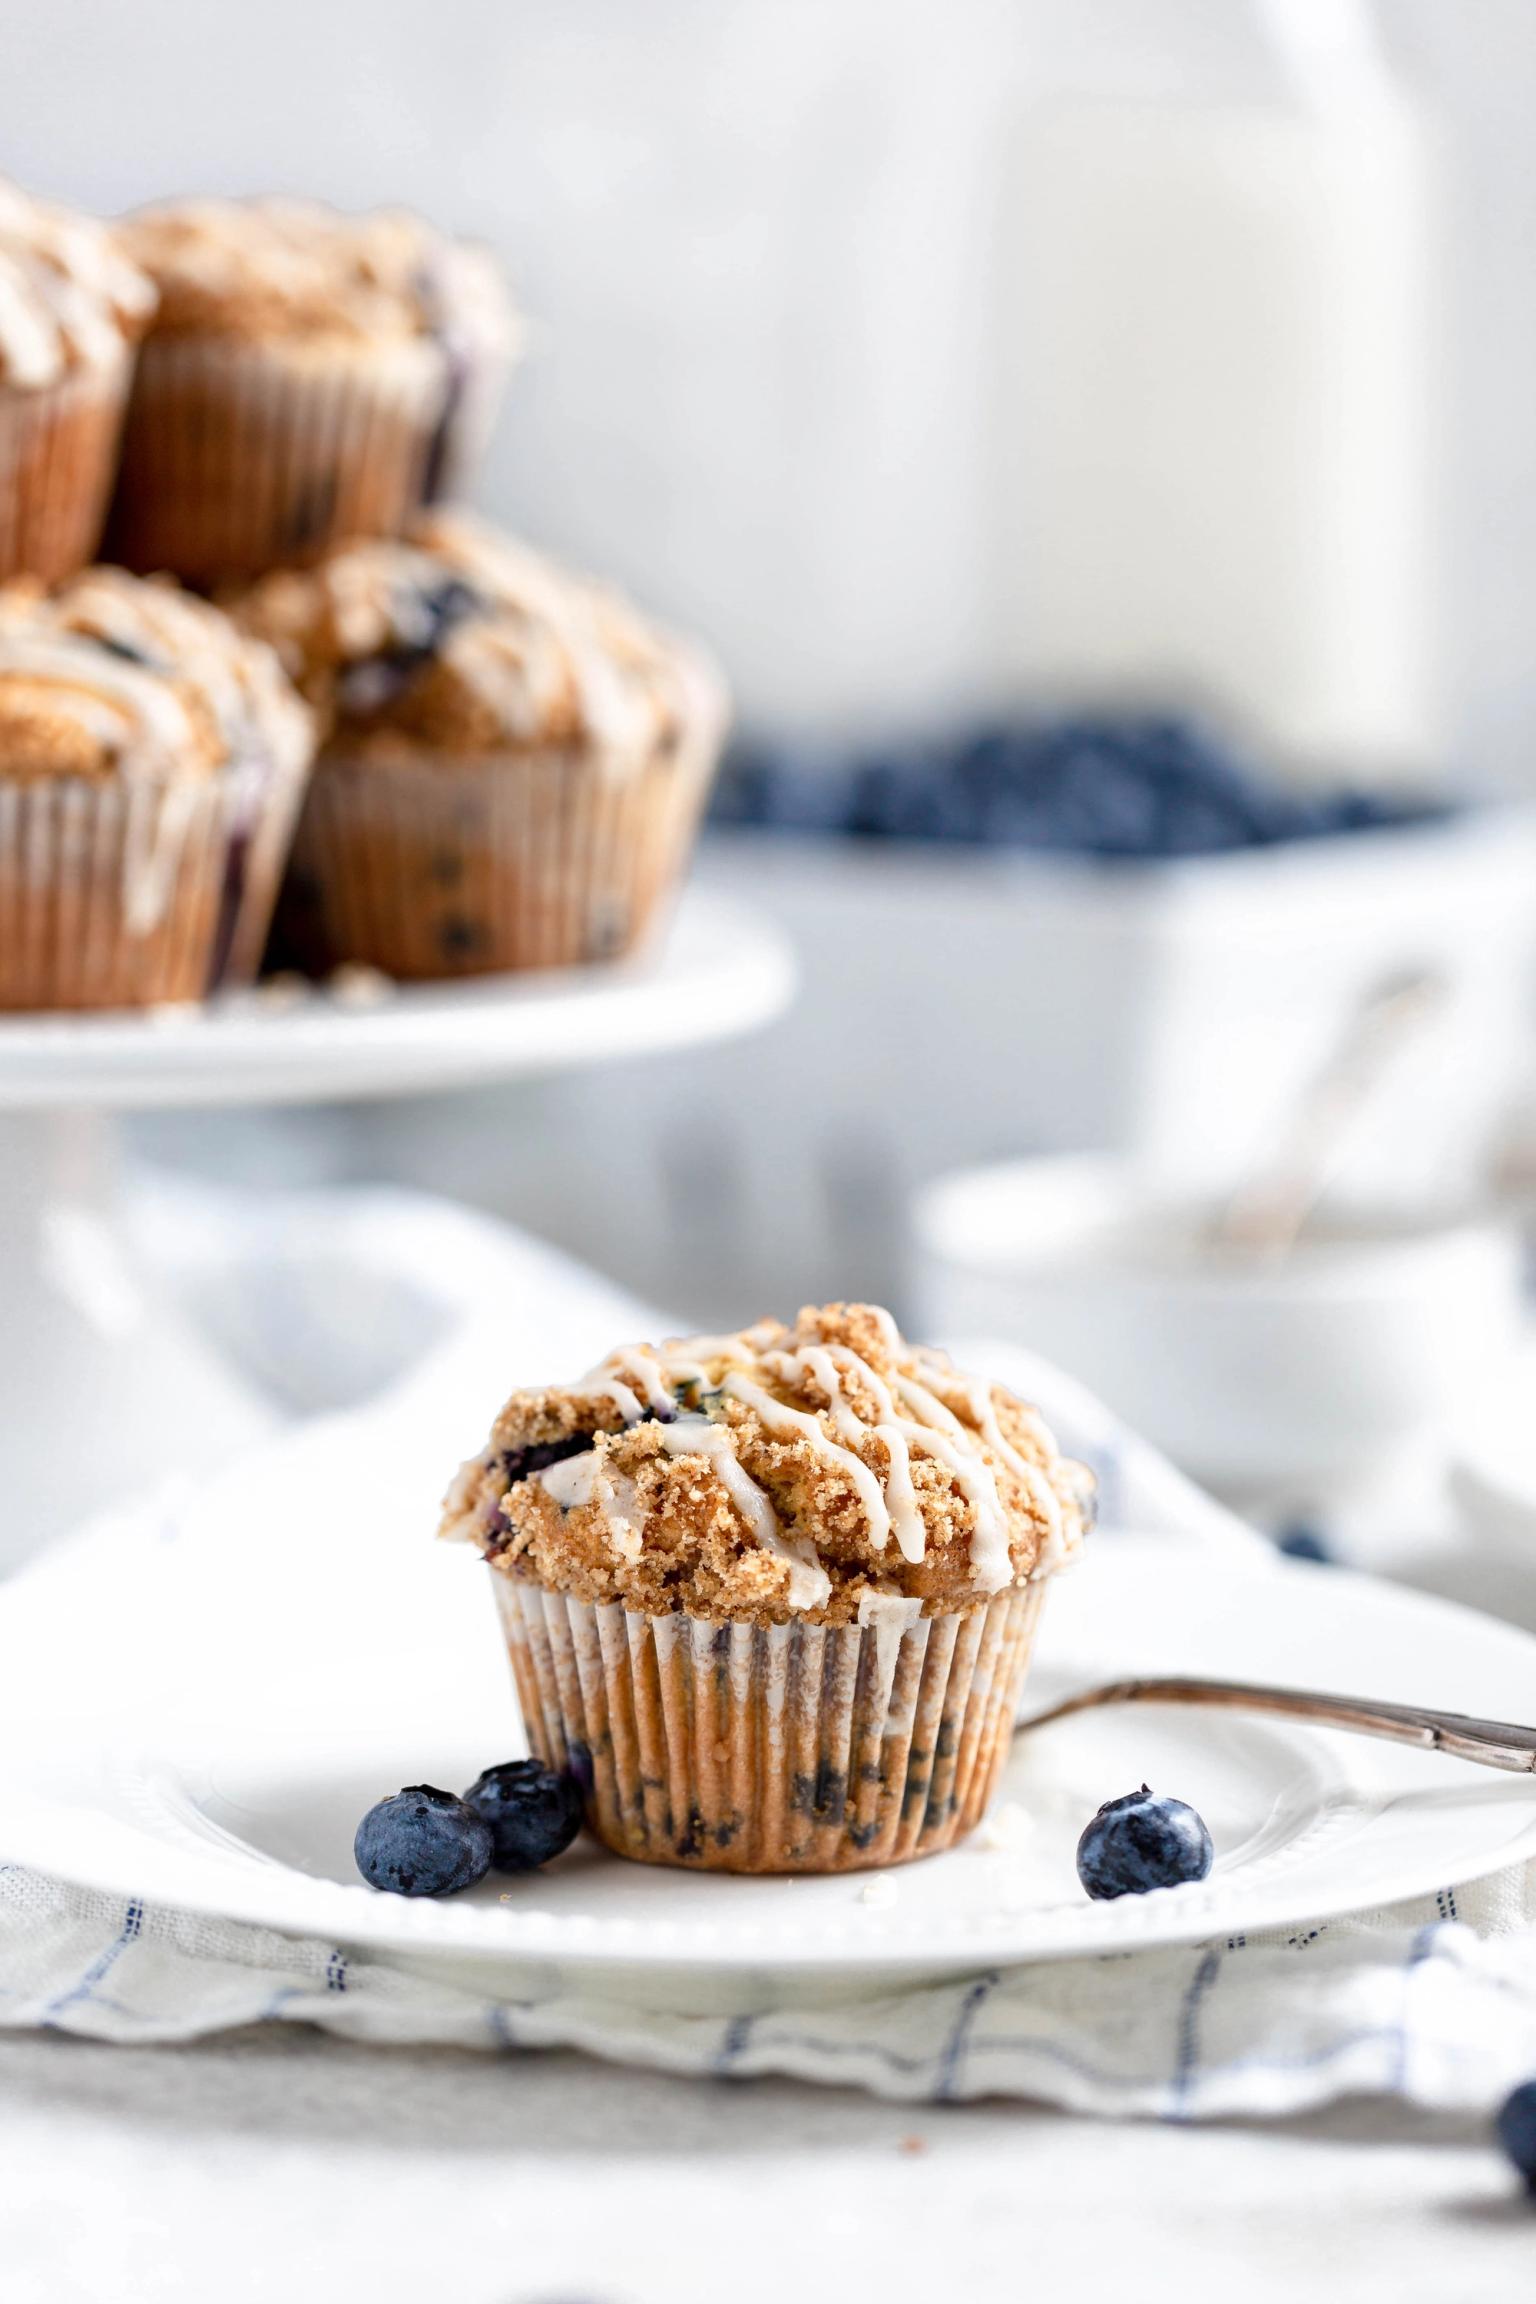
[825, 1469]
[291, 270]
[71, 298]
[112, 675]
[461, 640]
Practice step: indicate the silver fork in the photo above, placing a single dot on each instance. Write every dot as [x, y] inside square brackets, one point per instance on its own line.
[1490, 1743]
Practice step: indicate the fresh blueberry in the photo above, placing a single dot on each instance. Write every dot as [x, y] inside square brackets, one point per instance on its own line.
[424, 617]
[1142, 1841]
[1300, 1541]
[459, 938]
[446, 605]
[422, 1842]
[311, 513]
[538, 1455]
[531, 1812]
[116, 645]
[1516, 2129]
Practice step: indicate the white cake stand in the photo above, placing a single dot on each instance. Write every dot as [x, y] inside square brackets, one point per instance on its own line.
[103, 1388]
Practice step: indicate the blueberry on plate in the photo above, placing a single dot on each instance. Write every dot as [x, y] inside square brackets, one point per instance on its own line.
[422, 1842]
[531, 1812]
[1516, 2129]
[1299, 1540]
[1142, 1841]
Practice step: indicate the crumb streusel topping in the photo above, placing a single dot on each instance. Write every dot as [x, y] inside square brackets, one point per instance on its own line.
[292, 269]
[459, 640]
[111, 675]
[827, 1470]
[70, 297]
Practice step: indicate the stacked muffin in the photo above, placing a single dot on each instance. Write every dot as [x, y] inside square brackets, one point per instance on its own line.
[72, 308]
[515, 763]
[263, 399]
[152, 759]
[309, 377]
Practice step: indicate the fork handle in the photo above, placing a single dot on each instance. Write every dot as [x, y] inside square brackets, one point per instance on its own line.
[1490, 1743]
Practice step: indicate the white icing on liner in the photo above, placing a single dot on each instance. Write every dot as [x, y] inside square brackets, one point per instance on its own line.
[892, 1615]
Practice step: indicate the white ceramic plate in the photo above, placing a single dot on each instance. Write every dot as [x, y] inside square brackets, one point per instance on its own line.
[199, 1710]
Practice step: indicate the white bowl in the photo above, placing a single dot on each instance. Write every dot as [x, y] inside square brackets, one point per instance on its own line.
[1277, 1377]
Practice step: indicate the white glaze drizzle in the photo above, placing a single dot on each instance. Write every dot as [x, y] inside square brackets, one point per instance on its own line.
[33, 344]
[588, 1479]
[69, 297]
[909, 1415]
[823, 1363]
[620, 1497]
[809, 1584]
[572, 1481]
[778, 1416]
[135, 714]
[640, 1362]
[947, 1438]
[551, 656]
[604, 1386]
[978, 1398]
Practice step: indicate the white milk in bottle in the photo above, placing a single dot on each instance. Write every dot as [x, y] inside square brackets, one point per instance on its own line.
[1217, 416]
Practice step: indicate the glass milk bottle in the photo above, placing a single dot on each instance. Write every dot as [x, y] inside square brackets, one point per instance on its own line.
[1217, 417]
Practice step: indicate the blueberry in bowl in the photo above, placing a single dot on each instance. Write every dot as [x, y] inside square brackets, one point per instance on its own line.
[1120, 786]
[1140, 1842]
[532, 1813]
[423, 1842]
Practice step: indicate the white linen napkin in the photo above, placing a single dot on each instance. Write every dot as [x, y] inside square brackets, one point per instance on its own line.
[1433, 2001]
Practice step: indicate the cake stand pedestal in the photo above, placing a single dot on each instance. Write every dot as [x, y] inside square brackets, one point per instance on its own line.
[103, 1387]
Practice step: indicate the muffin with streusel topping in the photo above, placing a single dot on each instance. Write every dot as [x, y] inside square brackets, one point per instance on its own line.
[514, 762]
[152, 757]
[72, 309]
[771, 1597]
[310, 376]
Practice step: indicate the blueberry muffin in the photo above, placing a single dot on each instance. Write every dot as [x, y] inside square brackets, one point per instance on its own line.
[513, 766]
[72, 309]
[152, 757]
[771, 1597]
[310, 376]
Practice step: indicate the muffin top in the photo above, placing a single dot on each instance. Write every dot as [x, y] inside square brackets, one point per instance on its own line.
[459, 640]
[827, 1471]
[112, 675]
[297, 270]
[70, 298]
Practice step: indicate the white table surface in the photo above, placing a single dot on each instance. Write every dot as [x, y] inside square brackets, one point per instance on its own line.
[283, 2165]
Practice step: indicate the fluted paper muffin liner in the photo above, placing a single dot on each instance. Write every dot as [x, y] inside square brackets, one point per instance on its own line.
[770, 1748]
[122, 895]
[238, 458]
[58, 453]
[435, 867]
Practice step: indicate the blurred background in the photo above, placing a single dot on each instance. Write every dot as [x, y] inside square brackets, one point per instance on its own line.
[1095, 436]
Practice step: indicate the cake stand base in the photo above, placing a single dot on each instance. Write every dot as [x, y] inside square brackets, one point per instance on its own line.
[104, 1387]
